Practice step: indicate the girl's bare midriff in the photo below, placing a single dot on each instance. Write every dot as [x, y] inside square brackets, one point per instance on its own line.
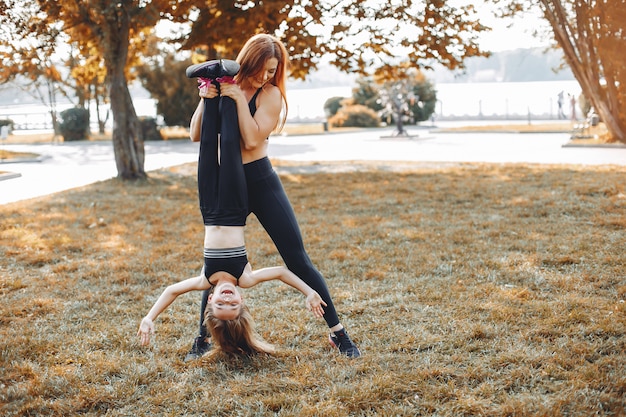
[223, 237]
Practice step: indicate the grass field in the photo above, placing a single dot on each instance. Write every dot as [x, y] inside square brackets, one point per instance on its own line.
[472, 290]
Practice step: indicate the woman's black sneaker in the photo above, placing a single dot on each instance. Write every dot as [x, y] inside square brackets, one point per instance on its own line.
[341, 340]
[199, 348]
[213, 69]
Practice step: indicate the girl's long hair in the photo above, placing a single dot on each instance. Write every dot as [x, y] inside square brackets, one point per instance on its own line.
[236, 336]
[252, 58]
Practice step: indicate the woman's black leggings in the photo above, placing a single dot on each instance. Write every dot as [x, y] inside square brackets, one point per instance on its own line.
[268, 201]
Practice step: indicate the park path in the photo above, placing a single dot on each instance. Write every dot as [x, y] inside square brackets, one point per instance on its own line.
[75, 164]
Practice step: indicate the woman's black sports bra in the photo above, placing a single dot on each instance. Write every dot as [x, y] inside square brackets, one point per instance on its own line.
[252, 102]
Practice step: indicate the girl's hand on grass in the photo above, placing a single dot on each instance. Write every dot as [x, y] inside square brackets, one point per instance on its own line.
[314, 303]
[146, 328]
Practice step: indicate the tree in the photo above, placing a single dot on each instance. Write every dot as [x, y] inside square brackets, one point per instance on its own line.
[89, 75]
[418, 96]
[99, 29]
[591, 34]
[27, 48]
[395, 98]
[176, 98]
[109, 28]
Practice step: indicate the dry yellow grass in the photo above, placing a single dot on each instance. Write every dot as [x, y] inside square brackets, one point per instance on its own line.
[4, 154]
[472, 290]
[516, 127]
[589, 135]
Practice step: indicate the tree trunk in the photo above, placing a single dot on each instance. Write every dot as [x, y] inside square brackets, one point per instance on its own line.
[127, 136]
[55, 124]
[101, 123]
[591, 42]
[52, 105]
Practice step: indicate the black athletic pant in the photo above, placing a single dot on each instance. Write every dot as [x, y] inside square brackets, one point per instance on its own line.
[268, 201]
[221, 186]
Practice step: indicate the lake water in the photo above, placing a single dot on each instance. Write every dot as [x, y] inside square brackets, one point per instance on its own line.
[454, 100]
[462, 99]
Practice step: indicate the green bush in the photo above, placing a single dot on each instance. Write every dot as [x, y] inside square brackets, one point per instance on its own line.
[367, 93]
[149, 128]
[332, 105]
[426, 98]
[74, 124]
[355, 116]
[6, 122]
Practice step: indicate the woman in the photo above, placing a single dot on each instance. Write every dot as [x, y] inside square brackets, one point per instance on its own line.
[259, 96]
[223, 204]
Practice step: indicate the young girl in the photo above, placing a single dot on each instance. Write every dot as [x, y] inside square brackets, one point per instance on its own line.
[228, 319]
[261, 107]
[223, 204]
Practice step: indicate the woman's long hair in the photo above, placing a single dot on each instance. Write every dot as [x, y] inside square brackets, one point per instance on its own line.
[236, 336]
[252, 58]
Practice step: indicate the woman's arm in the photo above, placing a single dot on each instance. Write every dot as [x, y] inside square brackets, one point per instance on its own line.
[255, 130]
[195, 126]
[313, 300]
[146, 328]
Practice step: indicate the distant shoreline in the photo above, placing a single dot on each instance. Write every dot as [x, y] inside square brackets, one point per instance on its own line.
[526, 101]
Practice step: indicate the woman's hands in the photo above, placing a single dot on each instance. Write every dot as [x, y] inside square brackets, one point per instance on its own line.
[314, 303]
[207, 90]
[146, 329]
[233, 91]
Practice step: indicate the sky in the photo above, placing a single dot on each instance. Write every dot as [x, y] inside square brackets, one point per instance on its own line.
[503, 38]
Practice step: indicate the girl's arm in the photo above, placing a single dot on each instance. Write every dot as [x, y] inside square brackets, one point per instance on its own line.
[313, 300]
[146, 328]
[255, 130]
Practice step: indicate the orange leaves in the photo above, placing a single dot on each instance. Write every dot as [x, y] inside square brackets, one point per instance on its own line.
[358, 36]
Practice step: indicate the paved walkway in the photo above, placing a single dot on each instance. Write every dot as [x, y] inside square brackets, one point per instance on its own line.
[75, 164]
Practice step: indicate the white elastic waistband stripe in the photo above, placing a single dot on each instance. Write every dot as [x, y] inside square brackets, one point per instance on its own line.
[225, 252]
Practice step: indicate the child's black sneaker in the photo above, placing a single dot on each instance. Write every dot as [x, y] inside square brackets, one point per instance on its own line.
[199, 348]
[213, 69]
[341, 340]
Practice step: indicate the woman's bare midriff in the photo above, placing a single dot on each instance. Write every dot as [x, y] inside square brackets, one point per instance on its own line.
[223, 237]
[255, 154]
